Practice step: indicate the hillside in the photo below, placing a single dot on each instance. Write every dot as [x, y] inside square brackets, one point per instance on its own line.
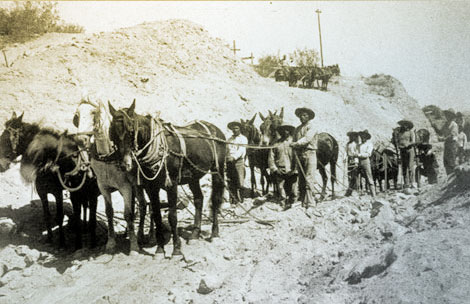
[405, 248]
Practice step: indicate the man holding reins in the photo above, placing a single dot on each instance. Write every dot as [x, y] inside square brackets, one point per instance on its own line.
[236, 162]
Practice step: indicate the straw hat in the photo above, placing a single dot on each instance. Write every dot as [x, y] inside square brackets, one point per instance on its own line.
[232, 124]
[310, 112]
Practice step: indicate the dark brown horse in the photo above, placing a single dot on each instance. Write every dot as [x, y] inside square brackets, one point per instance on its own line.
[48, 160]
[327, 153]
[257, 158]
[168, 156]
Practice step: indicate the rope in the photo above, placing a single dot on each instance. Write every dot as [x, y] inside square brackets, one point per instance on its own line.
[67, 187]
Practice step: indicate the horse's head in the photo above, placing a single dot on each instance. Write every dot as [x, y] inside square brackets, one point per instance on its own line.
[9, 141]
[123, 130]
[248, 128]
[269, 126]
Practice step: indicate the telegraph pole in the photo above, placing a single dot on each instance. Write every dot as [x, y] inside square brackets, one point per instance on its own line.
[234, 49]
[319, 32]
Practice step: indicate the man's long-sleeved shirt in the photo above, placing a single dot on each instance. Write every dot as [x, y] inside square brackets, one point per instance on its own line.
[281, 158]
[365, 149]
[306, 136]
[454, 129]
[351, 152]
[237, 151]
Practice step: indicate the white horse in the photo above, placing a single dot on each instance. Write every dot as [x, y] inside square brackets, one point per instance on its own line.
[93, 120]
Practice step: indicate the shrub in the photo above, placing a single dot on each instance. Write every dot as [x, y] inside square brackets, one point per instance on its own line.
[25, 20]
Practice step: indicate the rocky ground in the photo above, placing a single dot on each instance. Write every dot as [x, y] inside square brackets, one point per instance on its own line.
[401, 248]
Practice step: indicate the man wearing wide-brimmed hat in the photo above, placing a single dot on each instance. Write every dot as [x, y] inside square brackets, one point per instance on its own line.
[305, 148]
[352, 161]
[282, 164]
[364, 153]
[405, 141]
[236, 162]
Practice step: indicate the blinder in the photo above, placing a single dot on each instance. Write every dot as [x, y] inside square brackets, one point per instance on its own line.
[14, 138]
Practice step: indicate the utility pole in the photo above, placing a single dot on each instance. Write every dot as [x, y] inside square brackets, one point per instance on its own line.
[251, 57]
[319, 32]
[234, 49]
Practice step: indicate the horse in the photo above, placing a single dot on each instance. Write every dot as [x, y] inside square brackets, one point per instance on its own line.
[268, 136]
[93, 118]
[48, 157]
[377, 161]
[168, 156]
[327, 153]
[256, 157]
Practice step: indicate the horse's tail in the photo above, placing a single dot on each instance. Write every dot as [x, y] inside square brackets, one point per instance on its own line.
[334, 159]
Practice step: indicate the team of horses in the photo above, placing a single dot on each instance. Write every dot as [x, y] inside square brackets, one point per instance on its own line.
[306, 77]
[141, 153]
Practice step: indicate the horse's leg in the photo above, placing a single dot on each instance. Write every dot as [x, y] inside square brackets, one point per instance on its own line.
[111, 242]
[333, 178]
[153, 193]
[198, 199]
[60, 216]
[173, 217]
[92, 204]
[324, 179]
[128, 197]
[253, 178]
[216, 199]
[139, 194]
[47, 213]
[77, 202]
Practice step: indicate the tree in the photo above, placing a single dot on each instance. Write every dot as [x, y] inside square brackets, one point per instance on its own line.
[267, 64]
[26, 20]
[304, 58]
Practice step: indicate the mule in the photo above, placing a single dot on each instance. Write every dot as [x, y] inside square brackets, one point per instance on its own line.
[257, 158]
[93, 118]
[48, 157]
[168, 156]
[377, 161]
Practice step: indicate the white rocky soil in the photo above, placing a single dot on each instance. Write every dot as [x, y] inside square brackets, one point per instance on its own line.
[402, 248]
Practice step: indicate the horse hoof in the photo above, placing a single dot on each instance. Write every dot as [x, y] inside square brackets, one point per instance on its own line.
[160, 250]
[176, 251]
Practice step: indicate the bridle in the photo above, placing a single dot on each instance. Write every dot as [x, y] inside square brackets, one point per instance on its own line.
[14, 138]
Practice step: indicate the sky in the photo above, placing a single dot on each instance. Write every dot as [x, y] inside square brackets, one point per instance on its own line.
[424, 44]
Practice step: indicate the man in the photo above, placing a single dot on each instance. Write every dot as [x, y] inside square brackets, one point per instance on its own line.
[305, 152]
[236, 162]
[451, 143]
[405, 142]
[353, 161]
[282, 164]
[364, 151]
[427, 163]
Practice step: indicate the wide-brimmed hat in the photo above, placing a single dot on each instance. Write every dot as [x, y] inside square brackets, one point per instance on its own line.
[232, 124]
[288, 128]
[364, 135]
[352, 134]
[406, 123]
[310, 113]
[449, 114]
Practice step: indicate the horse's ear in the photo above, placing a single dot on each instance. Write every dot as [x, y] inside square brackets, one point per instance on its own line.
[252, 120]
[112, 110]
[131, 108]
[271, 113]
[282, 113]
[13, 116]
[262, 117]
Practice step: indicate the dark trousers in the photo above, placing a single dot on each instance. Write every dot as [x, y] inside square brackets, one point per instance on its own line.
[285, 184]
[236, 179]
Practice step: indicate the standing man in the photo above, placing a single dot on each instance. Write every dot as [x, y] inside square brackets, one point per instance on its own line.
[451, 146]
[406, 141]
[364, 152]
[305, 152]
[353, 161]
[236, 162]
[282, 165]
